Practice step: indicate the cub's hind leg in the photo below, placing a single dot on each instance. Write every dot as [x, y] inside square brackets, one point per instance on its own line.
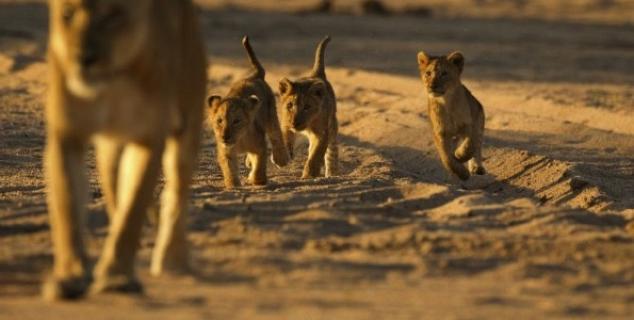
[279, 150]
[171, 250]
[67, 187]
[332, 154]
[140, 164]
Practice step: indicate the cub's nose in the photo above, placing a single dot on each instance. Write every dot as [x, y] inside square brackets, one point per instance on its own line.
[88, 58]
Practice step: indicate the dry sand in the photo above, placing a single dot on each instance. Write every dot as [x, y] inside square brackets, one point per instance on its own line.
[546, 235]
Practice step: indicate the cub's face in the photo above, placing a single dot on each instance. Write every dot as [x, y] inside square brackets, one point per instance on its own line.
[301, 102]
[95, 40]
[230, 118]
[440, 75]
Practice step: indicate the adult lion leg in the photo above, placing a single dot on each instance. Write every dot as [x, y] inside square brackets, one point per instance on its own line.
[171, 249]
[108, 153]
[140, 164]
[67, 193]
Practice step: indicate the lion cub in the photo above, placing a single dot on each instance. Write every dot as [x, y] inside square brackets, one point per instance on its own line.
[455, 114]
[242, 121]
[124, 78]
[309, 107]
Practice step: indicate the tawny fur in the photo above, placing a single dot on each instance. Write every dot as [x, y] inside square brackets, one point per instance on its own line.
[129, 77]
[309, 107]
[457, 117]
[242, 121]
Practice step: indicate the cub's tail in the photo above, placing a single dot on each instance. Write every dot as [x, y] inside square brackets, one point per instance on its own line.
[258, 70]
[319, 68]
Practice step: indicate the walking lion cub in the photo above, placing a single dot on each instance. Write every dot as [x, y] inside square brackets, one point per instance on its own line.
[309, 107]
[457, 118]
[128, 77]
[241, 122]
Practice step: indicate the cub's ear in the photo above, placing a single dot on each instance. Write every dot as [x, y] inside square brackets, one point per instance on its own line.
[212, 101]
[318, 90]
[286, 86]
[254, 103]
[457, 59]
[423, 59]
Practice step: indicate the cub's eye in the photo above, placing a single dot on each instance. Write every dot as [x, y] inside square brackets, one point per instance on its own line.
[219, 121]
[428, 74]
[68, 12]
[237, 121]
[289, 106]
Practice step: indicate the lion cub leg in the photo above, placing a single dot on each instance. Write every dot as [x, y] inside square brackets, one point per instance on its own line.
[332, 155]
[171, 251]
[66, 199]
[228, 161]
[465, 149]
[444, 145]
[138, 174]
[289, 140]
[279, 151]
[475, 164]
[257, 158]
[257, 176]
[318, 145]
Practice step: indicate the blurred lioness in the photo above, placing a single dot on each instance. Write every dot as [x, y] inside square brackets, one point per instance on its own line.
[128, 77]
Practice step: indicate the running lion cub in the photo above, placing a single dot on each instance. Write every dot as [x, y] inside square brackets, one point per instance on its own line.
[241, 122]
[309, 107]
[128, 77]
[455, 114]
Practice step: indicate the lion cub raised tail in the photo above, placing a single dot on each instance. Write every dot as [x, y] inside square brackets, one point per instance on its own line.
[242, 120]
[309, 107]
[455, 114]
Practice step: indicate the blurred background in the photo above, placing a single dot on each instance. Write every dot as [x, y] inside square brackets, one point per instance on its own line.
[598, 11]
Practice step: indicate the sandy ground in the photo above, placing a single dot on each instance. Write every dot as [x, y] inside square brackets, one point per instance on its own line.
[548, 234]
